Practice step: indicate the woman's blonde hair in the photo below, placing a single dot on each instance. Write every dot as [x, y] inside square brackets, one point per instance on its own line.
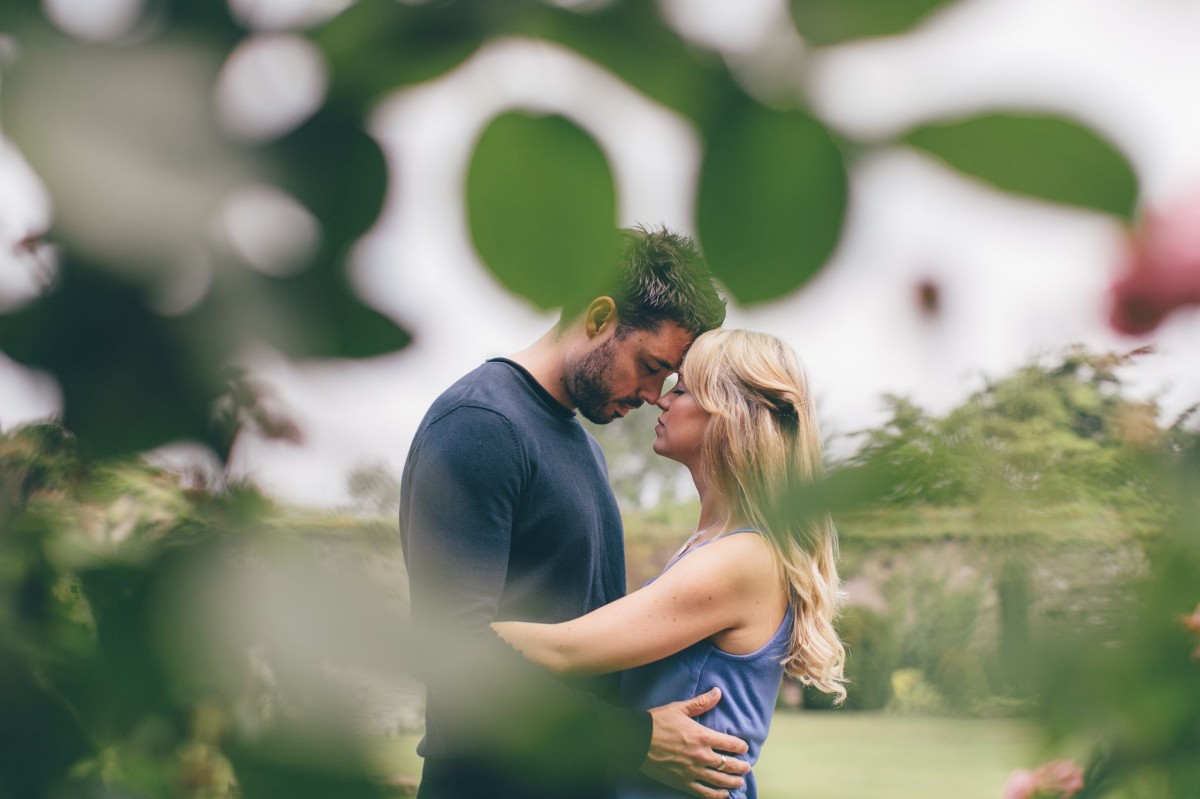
[762, 438]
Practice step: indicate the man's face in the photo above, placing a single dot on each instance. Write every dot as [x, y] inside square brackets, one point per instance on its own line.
[617, 374]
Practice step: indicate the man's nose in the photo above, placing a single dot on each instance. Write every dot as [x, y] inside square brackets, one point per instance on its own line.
[651, 391]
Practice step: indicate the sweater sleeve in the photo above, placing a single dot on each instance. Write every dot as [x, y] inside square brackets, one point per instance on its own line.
[463, 486]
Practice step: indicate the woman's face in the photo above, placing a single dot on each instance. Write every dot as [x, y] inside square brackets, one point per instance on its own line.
[681, 425]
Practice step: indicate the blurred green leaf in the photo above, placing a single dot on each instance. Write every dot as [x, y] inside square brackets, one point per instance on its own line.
[280, 767]
[39, 735]
[20, 15]
[631, 39]
[346, 194]
[542, 207]
[1043, 156]
[337, 171]
[824, 22]
[773, 192]
[131, 679]
[407, 43]
[131, 380]
[214, 20]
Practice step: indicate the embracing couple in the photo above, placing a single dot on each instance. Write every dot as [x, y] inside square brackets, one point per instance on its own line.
[509, 527]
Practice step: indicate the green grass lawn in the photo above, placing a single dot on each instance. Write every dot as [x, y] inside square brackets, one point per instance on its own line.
[868, 755]
[832, 755]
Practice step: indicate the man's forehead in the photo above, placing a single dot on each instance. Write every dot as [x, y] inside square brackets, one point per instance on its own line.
[667, 345]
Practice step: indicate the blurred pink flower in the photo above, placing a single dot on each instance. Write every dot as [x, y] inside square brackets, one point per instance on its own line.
[1020, 785]
[1162, 267]
[1192, 624]
[1058, 779]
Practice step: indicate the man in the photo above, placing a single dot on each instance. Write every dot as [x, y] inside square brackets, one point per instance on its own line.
[506, 513]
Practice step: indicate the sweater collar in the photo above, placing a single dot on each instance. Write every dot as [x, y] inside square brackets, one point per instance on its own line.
[553, 405]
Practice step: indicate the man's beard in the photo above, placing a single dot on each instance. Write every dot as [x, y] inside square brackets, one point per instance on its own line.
[589, 390]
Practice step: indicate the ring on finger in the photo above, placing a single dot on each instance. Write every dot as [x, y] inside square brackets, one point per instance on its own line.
[721, 766]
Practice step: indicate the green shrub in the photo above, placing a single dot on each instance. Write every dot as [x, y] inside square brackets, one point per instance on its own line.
[870, 660]
[913, 695]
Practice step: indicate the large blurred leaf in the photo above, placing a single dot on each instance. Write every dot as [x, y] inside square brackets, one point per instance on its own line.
[376, 46]
[131, 380]
[337, 171]
[825, 22]
[631, 39]
[1046, 157]
[298, 768]
[542, 207]
[39, 735]
[346, 194]
[43, 652]
[125, 142]
[213, 20]
[20, 15]
[773, 190]
[131, 677]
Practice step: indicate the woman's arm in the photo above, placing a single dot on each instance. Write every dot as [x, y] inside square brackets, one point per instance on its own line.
[712, 589]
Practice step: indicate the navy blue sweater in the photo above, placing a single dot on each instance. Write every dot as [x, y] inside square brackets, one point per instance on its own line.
[506, 513]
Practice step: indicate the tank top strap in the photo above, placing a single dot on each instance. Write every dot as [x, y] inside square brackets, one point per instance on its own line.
[680, 556]
[735, 532]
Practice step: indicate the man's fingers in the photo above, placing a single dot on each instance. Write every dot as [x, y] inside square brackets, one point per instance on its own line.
[685, 755]
[707, 791]
[724, 779]
[735, 766]
[702, 703]
[725, 743]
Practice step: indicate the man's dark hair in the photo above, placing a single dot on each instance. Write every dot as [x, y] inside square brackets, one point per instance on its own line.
[662, 276]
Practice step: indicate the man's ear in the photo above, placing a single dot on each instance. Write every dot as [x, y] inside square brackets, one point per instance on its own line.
[600, 316]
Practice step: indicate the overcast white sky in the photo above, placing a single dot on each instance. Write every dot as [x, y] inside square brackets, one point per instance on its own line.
[1018, 278]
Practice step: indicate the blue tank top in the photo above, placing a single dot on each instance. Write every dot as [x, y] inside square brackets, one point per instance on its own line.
[749, 686]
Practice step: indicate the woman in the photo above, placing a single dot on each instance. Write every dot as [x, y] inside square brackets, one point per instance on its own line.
[751, 595]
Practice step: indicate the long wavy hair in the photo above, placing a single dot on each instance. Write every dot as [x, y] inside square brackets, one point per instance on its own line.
[762, 438]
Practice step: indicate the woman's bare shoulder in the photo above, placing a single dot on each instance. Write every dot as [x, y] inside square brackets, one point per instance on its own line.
[744, 558]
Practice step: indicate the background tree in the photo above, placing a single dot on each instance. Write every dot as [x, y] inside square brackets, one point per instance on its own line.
[374, 488]
[1058, 429]
[640, 479]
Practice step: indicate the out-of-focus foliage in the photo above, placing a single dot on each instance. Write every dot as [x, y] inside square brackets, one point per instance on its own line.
[129, 625]
[37, 459]
[142, 171]
[1066, 580]
[153, 635]
[1044, 157]
[772, 199]
[1135, 695]
[1055, 431]
[824, 22]
[1021, 518]
[542, 202]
